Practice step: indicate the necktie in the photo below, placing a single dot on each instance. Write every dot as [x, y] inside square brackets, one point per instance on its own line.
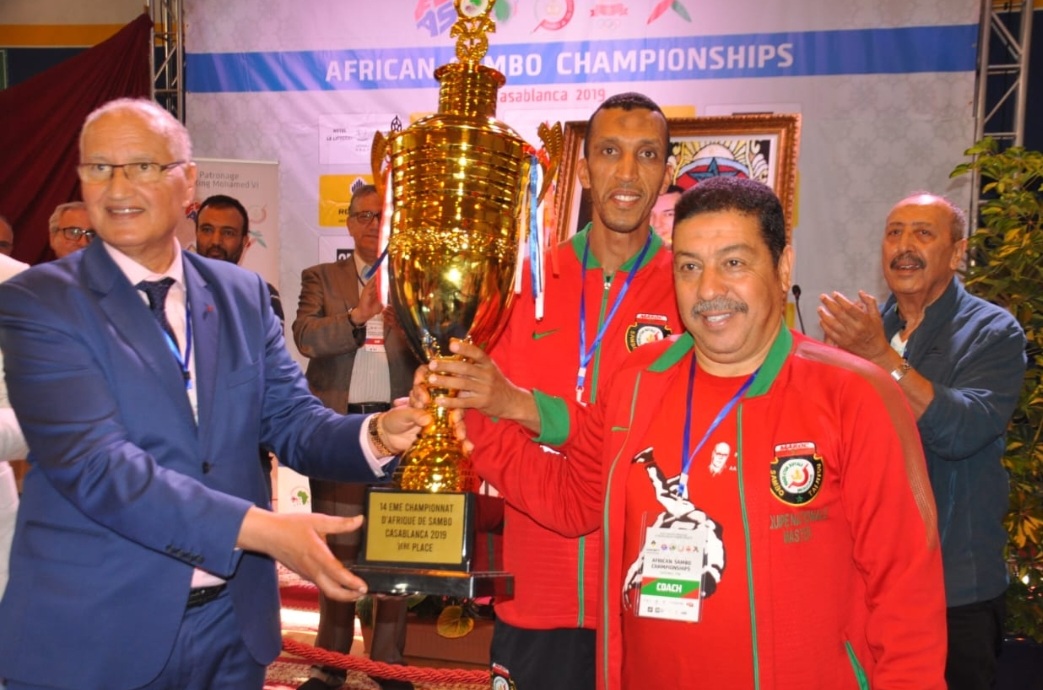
[157, 290]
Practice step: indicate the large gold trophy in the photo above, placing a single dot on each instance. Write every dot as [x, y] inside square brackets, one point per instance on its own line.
[462, 190]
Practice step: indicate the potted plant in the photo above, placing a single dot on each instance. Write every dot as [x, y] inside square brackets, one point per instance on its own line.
[1005, 267]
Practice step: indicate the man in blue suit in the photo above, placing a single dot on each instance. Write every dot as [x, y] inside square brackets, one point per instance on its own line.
[144, 545]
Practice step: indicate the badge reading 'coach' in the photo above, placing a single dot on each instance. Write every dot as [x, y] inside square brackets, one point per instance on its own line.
[796, 473]
[647, 328]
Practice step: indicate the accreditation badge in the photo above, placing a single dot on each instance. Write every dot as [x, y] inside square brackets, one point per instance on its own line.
[671, 574]
[375, 334]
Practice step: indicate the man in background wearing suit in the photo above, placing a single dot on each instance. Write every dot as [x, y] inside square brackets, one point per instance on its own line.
[360, 362]
[145, 378]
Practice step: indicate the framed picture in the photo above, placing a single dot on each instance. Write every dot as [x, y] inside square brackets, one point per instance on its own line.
[761, 147]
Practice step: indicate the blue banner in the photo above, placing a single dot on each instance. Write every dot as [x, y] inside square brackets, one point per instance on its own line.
[813, 53]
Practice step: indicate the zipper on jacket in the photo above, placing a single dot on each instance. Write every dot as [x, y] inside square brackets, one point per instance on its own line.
[581, 560]
[582, 542]
[860, 673]
[749, 553]
[607, 289]
[606, 510]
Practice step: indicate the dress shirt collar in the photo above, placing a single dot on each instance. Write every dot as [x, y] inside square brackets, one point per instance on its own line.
[360, 266]
[136, 273]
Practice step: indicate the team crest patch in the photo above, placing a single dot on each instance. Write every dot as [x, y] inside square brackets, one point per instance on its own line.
[502, 678]
[796, 473]
[647, 328]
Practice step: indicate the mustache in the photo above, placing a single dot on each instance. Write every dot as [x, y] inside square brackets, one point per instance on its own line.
[217, 252]
[720, 304]
[908, 257]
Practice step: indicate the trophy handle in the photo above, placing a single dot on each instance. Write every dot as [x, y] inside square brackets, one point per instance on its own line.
[378, 161]
[550, 159]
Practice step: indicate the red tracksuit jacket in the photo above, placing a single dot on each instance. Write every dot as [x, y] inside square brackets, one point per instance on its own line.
[872, 608]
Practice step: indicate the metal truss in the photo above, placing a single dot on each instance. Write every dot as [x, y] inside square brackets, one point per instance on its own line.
[167, 57]
[1003, 70]
[1004, 41]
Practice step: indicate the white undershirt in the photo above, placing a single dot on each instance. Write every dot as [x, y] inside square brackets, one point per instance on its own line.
[370, 378]
[898, 344]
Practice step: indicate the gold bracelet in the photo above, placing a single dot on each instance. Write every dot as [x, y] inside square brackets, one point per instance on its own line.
[376, 439]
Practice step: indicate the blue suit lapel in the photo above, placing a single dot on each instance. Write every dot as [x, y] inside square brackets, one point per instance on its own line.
[205, 322]
[133, 322]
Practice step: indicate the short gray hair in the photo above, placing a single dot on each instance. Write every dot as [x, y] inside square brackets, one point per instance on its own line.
[169, 125]
[359, 192]
[56, 217]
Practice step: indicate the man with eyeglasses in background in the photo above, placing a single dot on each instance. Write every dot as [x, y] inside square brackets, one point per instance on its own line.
[359, 362]
[145, 377]
[70, 228]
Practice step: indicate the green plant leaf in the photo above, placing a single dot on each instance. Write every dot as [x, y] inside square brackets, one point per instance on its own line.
[1005, 266]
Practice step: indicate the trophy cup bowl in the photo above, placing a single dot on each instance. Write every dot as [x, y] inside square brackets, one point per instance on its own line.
[459, 192]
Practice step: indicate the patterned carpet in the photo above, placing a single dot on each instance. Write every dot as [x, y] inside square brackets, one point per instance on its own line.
[287, 674]
[300, 621]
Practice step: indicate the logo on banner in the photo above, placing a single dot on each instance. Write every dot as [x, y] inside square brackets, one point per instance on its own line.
[435, 15]
[608, 14]
[609, 9]
[438, 15]
[796, 473]
[663, 5]
[553, 15]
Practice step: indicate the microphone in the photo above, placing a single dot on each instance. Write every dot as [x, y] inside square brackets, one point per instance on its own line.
[796, 303]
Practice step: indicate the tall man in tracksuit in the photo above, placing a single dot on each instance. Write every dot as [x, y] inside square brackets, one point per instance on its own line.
[612, 293]
[766, 517]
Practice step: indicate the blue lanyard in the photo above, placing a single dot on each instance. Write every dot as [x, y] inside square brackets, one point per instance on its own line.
[682, 484]
[368, 273]
[172, 344]
[586, 355]
[534, 234]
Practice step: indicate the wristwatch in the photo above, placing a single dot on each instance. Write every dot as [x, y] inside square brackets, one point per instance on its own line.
[899, 372]
[354, 326]
[376, 439]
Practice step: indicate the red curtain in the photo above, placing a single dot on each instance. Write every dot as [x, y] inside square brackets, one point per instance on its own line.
[40, 121]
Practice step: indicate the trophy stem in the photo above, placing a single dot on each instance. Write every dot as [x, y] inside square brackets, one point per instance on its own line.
[436, 462]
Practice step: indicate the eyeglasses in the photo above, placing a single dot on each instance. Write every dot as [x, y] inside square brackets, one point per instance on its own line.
[366, 216]
[145, 172]
[75, 234]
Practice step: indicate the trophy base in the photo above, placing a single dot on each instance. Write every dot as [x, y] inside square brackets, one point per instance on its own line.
[449, 583]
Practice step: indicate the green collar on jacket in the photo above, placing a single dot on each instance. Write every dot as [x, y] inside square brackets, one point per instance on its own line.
[769, 369]
[580, 239]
